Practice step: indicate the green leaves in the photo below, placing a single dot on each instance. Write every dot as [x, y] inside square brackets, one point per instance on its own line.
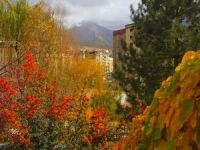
[170, 145]
[173, 84]
[163, 35]
[173, 120]
[187, 109]
[157, 135]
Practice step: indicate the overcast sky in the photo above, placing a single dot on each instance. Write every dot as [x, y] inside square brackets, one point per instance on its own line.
[112, 14]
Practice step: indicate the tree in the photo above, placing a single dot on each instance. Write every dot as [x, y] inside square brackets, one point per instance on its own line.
[81, 76]
[34, 26]
[43, 117]
[163, 30]
[12, 17]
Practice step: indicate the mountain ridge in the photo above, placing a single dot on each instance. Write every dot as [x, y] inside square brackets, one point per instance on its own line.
[91, 34]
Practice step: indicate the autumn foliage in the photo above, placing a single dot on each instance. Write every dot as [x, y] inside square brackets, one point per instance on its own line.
[36, 114]
[172, 122]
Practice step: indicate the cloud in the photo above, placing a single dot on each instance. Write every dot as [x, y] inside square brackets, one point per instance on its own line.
[88, 3]
[109, 13]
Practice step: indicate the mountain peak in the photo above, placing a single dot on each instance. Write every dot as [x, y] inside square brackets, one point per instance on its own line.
[92, 34]
[85, 22]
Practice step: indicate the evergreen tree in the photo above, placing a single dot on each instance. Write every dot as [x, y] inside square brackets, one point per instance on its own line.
[163, 30]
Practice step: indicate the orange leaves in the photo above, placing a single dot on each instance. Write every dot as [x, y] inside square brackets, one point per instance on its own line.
[99, 127]
[10, 113]
[6, 88]
[20, 107]
[172, 121]
[40, 111]
[33, 104]
[176, 113]
[59, 110]
[47, 93]
[135, 136]
[8, 105]
[30, 67]
[9, 116]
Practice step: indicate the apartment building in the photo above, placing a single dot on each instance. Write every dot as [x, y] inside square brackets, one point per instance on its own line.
[129, 34]
[126, 35]
[103, 56]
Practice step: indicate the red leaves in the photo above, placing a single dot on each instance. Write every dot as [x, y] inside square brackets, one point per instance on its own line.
[59, 110]
[87, 141]
[6, 88]
[16, 106]
[33, 104]
[7, 103]
[9, 116]
[10, 112]
[30, 67]
[119, 145]
[33, 101]
[98, 126]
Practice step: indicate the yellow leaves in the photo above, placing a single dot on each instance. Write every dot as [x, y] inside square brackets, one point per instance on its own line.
[175, 112]
[41, 30]
[88, 113]
[135, 136]
[164, 107]
[153, 121]
[190, 55]
[81, 76]
[160, 145]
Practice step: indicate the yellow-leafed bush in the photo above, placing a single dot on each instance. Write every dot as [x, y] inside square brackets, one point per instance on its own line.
[135, 136]
[173, 120]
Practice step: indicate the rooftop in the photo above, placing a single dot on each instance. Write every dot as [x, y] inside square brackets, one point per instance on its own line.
[119, 32]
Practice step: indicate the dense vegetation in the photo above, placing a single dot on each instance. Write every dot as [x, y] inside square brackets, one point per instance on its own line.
[163, 32]
[50, 98]
[172, 121]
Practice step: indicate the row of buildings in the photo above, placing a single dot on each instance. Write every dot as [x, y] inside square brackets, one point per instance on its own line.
[105, 57]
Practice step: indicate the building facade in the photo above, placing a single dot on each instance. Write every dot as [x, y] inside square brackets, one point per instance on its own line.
[126, 35]
[129, 34]
[118, 37]
[102, 56]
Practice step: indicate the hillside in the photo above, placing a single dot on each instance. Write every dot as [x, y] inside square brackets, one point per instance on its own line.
[92, 34]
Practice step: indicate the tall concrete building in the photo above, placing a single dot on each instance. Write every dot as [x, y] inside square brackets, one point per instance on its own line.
[125, 34]
[129, 34]
[104, 58]
[118, 37]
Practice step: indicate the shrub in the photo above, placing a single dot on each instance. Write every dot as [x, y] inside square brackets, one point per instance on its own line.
[172, 121]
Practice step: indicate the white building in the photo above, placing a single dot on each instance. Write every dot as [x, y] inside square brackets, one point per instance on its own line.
[102, 56]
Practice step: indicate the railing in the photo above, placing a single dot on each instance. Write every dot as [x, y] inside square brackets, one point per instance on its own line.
[5, 146]
[8, 44]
